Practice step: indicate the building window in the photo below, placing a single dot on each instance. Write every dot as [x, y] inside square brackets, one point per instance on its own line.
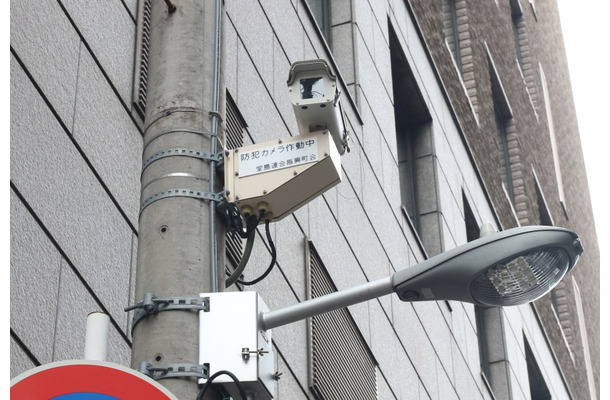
[506, 135]
[405, 141]
[538, 387]
[553, 139]
[470, 221]
[415, 152]
[518, 29]
[479, 313]
[341, 363]
[563, 313]
[522, 52]
[504, 156]
[450, 30]
[321, 13]
[517, 24]
[488, 320]
[473, 233]
[544, 215]
[456, 29]
[337, 27]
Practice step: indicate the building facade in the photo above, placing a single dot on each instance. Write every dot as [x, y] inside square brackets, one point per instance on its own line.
[460, 114]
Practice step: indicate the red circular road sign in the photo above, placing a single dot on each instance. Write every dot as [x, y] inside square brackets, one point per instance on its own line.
[86, 380]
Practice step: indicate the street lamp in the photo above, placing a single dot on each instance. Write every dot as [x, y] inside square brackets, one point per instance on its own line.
[509, 268]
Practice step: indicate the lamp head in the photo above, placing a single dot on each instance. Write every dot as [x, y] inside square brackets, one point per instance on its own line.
[512, 267]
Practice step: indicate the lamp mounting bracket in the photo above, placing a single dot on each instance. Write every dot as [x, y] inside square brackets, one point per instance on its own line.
[173, 371]
[192, 193]
[152, 305]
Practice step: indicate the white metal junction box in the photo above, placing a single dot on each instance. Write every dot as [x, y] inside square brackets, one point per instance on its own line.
[230, 340]
[282, 174]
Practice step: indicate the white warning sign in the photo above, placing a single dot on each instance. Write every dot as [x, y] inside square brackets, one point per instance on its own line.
[281, 155]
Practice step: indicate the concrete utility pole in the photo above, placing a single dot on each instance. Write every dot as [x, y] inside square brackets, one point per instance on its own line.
[177, 254]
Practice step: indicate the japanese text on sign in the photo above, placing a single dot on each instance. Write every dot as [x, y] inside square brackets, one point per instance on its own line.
[283, 155]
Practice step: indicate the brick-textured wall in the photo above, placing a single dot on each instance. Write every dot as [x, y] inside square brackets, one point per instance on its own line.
[541, 45]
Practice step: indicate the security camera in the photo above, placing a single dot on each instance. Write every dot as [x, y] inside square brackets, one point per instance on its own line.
[281, 175]
[316, 101]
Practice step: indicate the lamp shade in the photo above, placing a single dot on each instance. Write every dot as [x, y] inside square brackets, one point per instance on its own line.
[512, 267]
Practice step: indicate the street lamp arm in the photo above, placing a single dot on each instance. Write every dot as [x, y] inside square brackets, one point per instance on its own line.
[508, 268]
[326, 303]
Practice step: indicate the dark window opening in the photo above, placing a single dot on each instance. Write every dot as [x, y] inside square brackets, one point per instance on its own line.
[518, 29]
[538, 388]
[479, 312]
[472, 227]
[473, 233]
[450, 30]
[543, 210]
[504, 156]
[413, 124]
[517, 22]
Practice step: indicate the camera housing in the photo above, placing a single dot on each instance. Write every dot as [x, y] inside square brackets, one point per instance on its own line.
[316, 101]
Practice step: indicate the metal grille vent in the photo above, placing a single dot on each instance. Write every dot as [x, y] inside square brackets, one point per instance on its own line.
[142, 51]
[341, 364]
[234, 249]
[235, 127]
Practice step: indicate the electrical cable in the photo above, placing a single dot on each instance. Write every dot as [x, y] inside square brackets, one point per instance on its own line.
[271, 265]
[252, 222]
[205, 387]
[234, 277]
[236, 221]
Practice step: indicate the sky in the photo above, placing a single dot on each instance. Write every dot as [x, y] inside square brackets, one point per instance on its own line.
[585, 37]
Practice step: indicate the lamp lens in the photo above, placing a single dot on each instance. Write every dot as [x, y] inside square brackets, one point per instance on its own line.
[521, 279]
